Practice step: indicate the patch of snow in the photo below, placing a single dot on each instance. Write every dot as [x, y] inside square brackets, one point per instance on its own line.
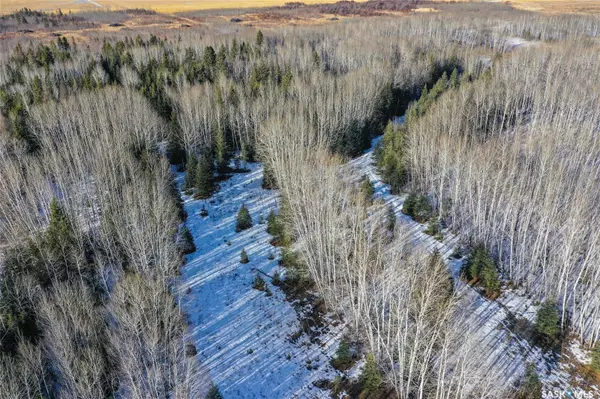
[486, 318]
[517, 302]
[513, 43]
[242, 335]
[581, 355]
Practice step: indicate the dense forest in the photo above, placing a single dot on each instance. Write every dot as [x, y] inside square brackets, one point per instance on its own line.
[499, 145]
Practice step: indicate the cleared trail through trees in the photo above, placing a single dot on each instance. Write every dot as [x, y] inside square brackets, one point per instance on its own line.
[489, 321]
[241, 334]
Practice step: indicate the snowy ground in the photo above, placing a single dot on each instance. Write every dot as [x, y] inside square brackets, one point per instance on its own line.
[490, 319]
[242, 335]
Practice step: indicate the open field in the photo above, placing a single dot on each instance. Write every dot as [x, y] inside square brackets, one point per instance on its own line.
[157, 5]
[170, 7]
[86, 23]
[558, 6]
[545, 6]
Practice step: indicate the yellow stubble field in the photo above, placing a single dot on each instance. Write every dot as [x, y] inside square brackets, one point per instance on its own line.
[163, 6]
[558, 6]
[545, 6]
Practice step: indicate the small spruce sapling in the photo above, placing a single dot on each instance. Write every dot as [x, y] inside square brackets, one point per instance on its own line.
[433, 227]
[343, 356]
[258, 283]
[203, 211]
[244, 220]
[190, 350]
[417, 207]
[214, 393]
[244, 257]
[390, 219]
[367, 190]
[186, 241]
[276, 279]
[273, 225]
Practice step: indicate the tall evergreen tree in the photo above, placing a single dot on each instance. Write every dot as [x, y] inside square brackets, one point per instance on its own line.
[60, 241]
[247, 152]
[547, 321]
[190, 169]
[233, 97]
[286, 80]
[490, 279]
[273, 225]
[222, 151]
[390, 219]
[596, 357]
[204, 176]
[531, 387]
[316, 59]
[37, 90]
[259, 39]
[367, 190]
[480, 266]
[454, 80]
[269, 182]
[438, 88]
[209, 58]
[390, 157]
[234, 50]
[221, 62]
[60, 236]
[370, 379]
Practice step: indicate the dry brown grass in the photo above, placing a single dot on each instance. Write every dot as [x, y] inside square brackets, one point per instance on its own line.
[164, 6]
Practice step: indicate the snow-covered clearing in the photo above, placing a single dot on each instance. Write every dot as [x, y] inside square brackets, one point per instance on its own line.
[490, 320]
[242, 335]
